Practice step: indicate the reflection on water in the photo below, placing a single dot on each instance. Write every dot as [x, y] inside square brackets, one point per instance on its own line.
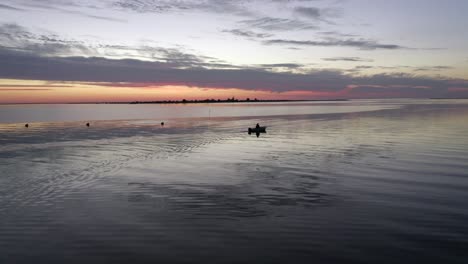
[357, 187]
[81, 112]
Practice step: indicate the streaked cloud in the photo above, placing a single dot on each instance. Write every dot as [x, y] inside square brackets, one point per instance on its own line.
[277, 24]
[282, 65]
[112, 19]
[362, 44]
[433, 68]
[336, 34]
[159, 6]
[310, 12]
[318, 14]
[350, 59]
[16, 37]
[404, 68]
[12, 8]
[17, 65]
[247, 33]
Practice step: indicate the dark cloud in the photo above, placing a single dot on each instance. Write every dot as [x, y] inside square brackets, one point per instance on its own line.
[64, 7]
[7, 7]
[277, 24]
[235, 7]
[173, 57]
[336, 34]
[147, 6]
[10, 33]
[318, 14]
[356, 43]
[15, 37]
[246, 8]
[350, 59]
[400, 68]
[247, 33]
[25, 66]
[112, 19]
[364, 67]
[433, 68]
[52, 4]
[18, 65]
[311, 12]
[282, 65]
[359, 69]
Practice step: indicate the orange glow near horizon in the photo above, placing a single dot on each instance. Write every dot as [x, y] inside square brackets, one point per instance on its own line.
[34, 91]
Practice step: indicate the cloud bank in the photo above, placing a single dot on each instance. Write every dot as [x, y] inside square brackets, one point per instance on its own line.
[20, 65]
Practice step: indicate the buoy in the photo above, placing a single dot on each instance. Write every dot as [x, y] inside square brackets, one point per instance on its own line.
[87, 124]
[162, 123]
[27, 125]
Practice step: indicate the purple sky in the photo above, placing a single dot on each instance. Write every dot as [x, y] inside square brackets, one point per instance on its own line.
[347, 48]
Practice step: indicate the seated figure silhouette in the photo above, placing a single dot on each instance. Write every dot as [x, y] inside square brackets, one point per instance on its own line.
[257, 130]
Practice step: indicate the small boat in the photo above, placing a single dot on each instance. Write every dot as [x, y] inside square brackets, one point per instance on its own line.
[257, 130]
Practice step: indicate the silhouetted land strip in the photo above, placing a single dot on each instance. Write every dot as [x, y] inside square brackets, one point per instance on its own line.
[231, 100]
[448, 98]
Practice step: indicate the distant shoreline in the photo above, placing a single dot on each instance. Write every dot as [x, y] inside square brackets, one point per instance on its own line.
[206, 101]
[213, 101]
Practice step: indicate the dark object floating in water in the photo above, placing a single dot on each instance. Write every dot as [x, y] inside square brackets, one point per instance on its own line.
[27, 125]
[162, 123]
[257, 130]
[87, 124]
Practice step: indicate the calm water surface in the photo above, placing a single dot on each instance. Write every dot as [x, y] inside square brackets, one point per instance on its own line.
[367, 181]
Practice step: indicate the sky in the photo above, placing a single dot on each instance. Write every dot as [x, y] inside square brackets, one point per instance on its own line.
[54, 51]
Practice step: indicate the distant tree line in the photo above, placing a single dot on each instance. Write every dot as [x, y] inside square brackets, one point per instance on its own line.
[194, 101]
[228, 100]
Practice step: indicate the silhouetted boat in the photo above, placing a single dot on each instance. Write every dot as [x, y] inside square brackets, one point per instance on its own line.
[257, 130]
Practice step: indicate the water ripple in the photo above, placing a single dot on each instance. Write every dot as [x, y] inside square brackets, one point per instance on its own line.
[373, 186]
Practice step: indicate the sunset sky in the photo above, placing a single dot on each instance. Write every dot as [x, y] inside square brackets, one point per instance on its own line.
[55, 51]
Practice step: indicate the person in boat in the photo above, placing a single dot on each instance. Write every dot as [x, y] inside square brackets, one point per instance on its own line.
[257, 126]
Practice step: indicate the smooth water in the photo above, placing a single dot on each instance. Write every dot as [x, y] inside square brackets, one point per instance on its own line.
[330, 182]
[81, 112]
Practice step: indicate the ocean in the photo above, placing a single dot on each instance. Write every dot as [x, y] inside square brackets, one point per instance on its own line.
[359, 181]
